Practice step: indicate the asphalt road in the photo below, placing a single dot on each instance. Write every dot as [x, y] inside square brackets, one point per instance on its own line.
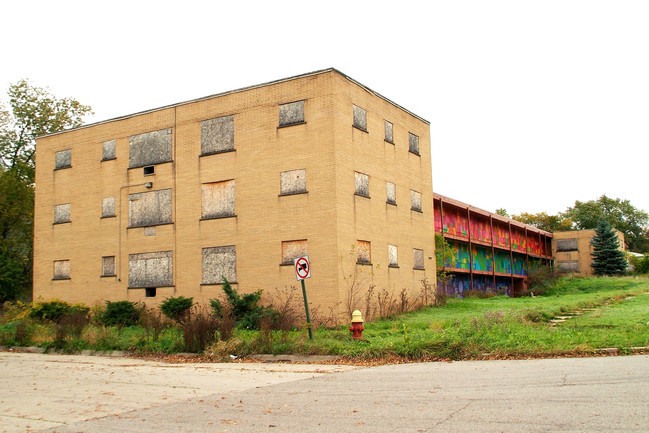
[603, 394]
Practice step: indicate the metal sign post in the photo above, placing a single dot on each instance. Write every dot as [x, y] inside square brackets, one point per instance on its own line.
[302, 272]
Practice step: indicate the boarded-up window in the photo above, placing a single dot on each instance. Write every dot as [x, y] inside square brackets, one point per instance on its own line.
[414, 143]
[362, 184]
[62, 213]
[150, 269]
[293, 182]
[219, 262]
[150, 148]
[63, 159]
[108, 207]
[217, 135]
[108, 150]
[388, 132]
[567, 245]
[364, 252]
[292, 250]
[218, 199]
[360, 118]
[418, 258]
[149, 208]
[108, 266]
[391, 191]
[291, 114]
[415, 200]
[392, 256]
[61, 270]
[568, 266]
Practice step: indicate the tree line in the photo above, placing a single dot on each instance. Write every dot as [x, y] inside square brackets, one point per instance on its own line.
[618, 213]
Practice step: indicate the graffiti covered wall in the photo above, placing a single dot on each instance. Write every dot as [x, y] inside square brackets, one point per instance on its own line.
[480, 229]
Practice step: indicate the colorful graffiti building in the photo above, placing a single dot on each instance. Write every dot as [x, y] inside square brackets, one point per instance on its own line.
[492, 253]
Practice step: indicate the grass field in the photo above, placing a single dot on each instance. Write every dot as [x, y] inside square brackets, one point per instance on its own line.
[603, 313]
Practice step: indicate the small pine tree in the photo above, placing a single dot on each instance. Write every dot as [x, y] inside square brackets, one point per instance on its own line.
[607, 257]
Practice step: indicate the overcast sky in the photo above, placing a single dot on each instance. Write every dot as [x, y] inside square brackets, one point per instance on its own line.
[532, 104]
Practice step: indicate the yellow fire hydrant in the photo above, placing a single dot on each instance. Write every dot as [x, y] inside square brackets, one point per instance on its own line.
[357, 327]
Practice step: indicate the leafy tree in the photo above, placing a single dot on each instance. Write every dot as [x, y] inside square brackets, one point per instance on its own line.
[502, 212]
[607, 257]
[543, 221]
[444, 254]
[33, 111]
[16, 215]
[640, 264]
[621, 214]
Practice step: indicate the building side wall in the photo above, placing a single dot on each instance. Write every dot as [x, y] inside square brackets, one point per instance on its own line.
[373, 219]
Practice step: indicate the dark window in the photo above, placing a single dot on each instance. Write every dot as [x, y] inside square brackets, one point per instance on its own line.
[150, 292]
[149, 169]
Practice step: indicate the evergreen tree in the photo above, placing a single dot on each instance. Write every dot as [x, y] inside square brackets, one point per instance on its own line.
[607, 257]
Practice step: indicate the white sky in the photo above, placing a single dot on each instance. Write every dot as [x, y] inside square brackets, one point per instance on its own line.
[547, 100]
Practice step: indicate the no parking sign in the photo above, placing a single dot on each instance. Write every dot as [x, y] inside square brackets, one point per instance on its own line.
[302, 268]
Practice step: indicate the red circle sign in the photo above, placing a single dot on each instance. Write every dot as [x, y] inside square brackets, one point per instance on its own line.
[302, 267]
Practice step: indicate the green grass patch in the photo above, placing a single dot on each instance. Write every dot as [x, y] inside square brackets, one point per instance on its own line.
[615, 313]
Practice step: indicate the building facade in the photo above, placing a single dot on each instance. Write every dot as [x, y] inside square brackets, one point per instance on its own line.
[168, 201]
[491, 252]
[573, 252]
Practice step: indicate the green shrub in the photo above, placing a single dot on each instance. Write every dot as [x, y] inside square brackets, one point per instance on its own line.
[55, 310]
[640, 264]
[177, 308]
[244, 309]
[120, 313]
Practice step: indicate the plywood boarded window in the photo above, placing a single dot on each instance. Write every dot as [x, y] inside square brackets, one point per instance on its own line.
[413, 143]
[62, 213]
[364, 252]
[150, 148]
[63, 159]
[391, 191]
[292, 182]
[415, 200]
[217, 135]
[108, 207]
[217, 199]
[61, 270]
[108, 150]
[149, 208]
[150, 269]
[360, 118]
[291, 114]
[362, 184]
[418, 258]
[572, 266]
[292, 250]
[108, 266]
[219, 262]
[388, 132]
[393, 261]
[567, 245]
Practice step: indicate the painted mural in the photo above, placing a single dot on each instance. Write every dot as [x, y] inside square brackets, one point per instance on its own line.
[501, 235]
[438, 217]
[504, 285]
[503, 262]
[482, 259]
[480, 229]
[518, 240]
[533, 244]
[461, 258]
[520, 267]
[457, 285]
[456, 222]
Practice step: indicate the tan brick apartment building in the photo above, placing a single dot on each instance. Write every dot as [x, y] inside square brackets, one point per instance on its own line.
[164, 202]
[573, 252]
